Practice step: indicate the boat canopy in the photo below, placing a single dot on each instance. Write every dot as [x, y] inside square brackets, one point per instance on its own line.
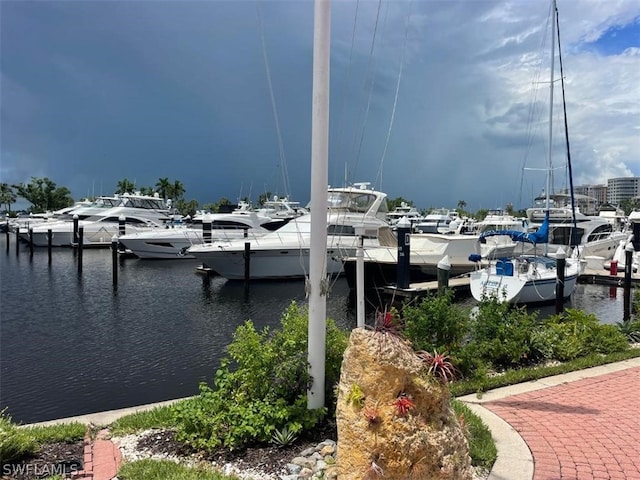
[539, 236]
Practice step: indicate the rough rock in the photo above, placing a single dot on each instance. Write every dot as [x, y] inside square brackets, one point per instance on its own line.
[376, 438]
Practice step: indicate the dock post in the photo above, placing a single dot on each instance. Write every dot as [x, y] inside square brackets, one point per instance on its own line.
[80, 245]
[17, 240]
[31, 243]
[628, 267]
[360, 277]
[122, 229]
[561, 261]
[247, 262]
[49, 243]
[206, 229]
[444, 267]
[404, 253]
[75, 229]
[8, 235]
[114, 260]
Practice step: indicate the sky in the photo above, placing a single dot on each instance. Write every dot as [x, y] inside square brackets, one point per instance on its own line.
[434, 101]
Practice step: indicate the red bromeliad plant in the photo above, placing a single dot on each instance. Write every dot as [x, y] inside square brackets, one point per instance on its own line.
[372, 414]
[388, 321]
[439, 365]
[403, 404]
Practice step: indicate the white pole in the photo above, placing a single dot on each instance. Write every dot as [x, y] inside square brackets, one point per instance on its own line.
[317, 284]
[360, 282]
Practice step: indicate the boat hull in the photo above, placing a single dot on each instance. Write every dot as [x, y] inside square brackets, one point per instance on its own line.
[519, 288]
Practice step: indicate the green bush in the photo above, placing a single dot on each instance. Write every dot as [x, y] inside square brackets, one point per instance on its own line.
[574, 333]
[15, 443]
[436, 323]
[501, 334]
[261, 387]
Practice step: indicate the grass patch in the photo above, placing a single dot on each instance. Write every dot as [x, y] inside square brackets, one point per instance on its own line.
[166, 470]
[482, 448]
[64, 432]
[512, 377]
[159, 417]
[17, 442]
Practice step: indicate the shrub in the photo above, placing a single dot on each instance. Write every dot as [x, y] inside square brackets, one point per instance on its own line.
[15, 443]
[575, 334]
[261, 387]
[436, 323]
[503, 333]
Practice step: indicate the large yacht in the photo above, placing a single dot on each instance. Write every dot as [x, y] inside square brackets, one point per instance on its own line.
[284, 253]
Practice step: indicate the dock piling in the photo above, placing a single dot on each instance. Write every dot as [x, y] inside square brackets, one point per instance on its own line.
[561, 261]
[49, 243]
[404, 253]
[80, 246]
[628, 267]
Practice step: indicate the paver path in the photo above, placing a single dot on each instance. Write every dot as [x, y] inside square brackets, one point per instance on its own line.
[583, 430]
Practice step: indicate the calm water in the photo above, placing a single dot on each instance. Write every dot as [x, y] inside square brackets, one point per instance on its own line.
[70, 344]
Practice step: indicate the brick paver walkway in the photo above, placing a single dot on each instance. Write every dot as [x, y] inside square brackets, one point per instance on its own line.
[584, 430]
[102, 459]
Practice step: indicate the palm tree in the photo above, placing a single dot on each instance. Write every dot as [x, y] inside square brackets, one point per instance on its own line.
[163, 187]
[7, 196]
[125, 186]
[177, 190]
[461, 204]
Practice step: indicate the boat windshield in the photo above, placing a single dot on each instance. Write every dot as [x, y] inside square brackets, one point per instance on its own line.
[351, 201]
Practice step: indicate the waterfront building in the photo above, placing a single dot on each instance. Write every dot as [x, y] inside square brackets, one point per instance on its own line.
[622, 188]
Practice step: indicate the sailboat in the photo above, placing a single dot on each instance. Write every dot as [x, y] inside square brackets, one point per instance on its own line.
[531, 278]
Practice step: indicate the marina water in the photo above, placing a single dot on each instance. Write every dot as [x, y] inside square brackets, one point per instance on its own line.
[71, 344]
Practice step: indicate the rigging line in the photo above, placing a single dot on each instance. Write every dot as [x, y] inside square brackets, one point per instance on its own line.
[532, 105]
[283, 161]
[566, 134]
[395, 100]
[369, 69]
[346, 88]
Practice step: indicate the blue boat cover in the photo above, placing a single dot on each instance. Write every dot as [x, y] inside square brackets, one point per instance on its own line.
[539, 236]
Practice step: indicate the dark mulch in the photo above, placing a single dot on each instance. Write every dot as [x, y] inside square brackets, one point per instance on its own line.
[51, 459]
[266, 458]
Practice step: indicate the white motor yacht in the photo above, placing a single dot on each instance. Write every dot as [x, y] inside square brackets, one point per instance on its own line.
[284, 253]
[100, 221]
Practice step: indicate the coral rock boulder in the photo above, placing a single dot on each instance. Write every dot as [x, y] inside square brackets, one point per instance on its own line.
[394, 419]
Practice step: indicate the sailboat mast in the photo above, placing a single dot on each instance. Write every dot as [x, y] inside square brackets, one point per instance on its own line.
[551, 80]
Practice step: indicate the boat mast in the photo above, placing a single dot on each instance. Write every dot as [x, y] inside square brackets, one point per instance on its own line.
[574, 239]
[551, 79]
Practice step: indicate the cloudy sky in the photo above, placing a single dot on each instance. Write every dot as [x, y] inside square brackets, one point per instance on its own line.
[434, 101]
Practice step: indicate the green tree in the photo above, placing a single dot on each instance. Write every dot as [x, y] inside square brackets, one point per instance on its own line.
[396, 202]
[215, 207]
[163, 185]
[150, 191]
[7, 196]
[126, 186]
[264, 197]
[187, 207]
[176, 190]
[629, 205]
[44, 195]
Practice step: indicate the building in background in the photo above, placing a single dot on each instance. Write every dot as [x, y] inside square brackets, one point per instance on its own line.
[622, 188]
